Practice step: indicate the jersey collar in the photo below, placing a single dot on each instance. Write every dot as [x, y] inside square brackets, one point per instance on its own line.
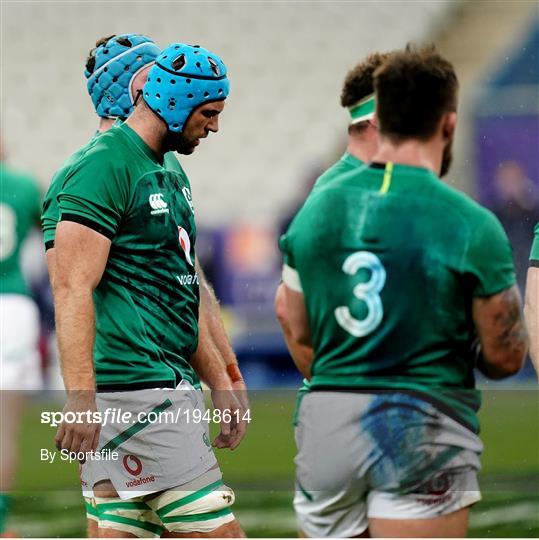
[139, 143]
[351, 160]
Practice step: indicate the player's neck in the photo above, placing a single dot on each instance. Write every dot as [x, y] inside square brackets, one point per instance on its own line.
[362, 147]
[105, 124]
[149, 128]
[415, 153]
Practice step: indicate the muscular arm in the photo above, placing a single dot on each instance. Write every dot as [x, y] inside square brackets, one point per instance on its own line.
[302, 355]
[79, 259]
[211, 362]
[214, 353]
[80, 256]
[531, 311]
[502, 333]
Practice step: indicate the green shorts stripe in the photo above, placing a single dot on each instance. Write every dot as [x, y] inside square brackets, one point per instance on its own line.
[135, 428]
[197, 517]
[145, 525]
[90, 509]
[189, 498]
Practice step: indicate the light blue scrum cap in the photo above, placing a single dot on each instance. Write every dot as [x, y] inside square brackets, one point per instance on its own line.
[110, 71]
[183, 78]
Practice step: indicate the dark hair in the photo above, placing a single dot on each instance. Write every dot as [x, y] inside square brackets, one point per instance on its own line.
[90, 60]
[414, 89]
[359, 83]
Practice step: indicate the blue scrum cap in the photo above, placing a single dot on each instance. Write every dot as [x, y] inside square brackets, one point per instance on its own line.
[110, 71]
[183, 78]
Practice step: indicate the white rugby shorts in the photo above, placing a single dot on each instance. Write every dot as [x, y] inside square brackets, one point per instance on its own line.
[391, 456]
[20, 366]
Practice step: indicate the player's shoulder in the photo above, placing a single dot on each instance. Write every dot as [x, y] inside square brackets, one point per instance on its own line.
[101, 153]
[346, 164]
[464, 204]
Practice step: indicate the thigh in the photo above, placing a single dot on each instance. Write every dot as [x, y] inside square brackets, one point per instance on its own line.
[118, 518]
[453, 525]
[199, 508]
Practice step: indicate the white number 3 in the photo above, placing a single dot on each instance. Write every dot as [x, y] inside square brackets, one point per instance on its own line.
[368, 292]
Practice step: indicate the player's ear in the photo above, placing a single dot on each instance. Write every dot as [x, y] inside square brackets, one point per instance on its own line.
[449, 125]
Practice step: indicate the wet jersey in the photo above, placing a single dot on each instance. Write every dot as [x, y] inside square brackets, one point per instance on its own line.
[389, 259]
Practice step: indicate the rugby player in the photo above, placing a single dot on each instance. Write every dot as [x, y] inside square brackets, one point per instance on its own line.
[121, 207]
[116, 69]
[402, 285]
[531, 308]
[20, 368]
[357, 97]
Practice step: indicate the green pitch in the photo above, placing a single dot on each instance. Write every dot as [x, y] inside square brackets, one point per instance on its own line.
[48, 501]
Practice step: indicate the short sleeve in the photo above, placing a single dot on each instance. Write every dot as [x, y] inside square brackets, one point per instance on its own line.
[49, 214]
[489, 258]
[534, 255]
[286, 249]
[95, 194]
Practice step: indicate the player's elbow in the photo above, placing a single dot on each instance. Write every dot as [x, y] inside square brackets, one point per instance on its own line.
[500, 364]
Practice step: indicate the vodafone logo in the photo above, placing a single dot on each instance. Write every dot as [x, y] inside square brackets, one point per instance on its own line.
[185, 244]
[132, 464]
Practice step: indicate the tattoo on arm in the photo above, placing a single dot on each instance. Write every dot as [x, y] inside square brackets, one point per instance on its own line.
[512, 332]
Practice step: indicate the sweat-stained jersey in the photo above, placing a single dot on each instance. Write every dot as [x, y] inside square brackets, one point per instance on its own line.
[534, 255]
[19, 212]
[147, 300]
[389, 259]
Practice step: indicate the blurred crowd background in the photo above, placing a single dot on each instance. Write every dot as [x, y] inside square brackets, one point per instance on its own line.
[282, 125]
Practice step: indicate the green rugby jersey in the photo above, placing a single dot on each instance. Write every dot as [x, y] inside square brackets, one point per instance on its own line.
[389, 260]
[147, 301]
[19, 212]
[50, 211]
[534, 255]
[347, 163]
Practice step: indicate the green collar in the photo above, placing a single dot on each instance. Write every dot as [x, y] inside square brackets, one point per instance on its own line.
[138, 142]
[351, 160]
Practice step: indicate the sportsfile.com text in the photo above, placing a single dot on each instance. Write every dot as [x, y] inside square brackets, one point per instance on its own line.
[118, 416]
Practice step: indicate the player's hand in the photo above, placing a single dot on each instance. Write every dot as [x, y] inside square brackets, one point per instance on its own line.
[232, 425]
[240, 391]
[79, 436]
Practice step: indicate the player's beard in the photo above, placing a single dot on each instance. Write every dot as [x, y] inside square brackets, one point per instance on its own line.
[177, 142]
[447, 158]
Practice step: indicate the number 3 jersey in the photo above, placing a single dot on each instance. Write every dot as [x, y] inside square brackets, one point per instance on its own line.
[146, 303]
[389, 259]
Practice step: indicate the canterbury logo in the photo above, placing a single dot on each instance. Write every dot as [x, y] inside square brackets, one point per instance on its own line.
[158, 205]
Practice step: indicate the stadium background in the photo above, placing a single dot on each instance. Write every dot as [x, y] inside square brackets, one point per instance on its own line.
[281, 127]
